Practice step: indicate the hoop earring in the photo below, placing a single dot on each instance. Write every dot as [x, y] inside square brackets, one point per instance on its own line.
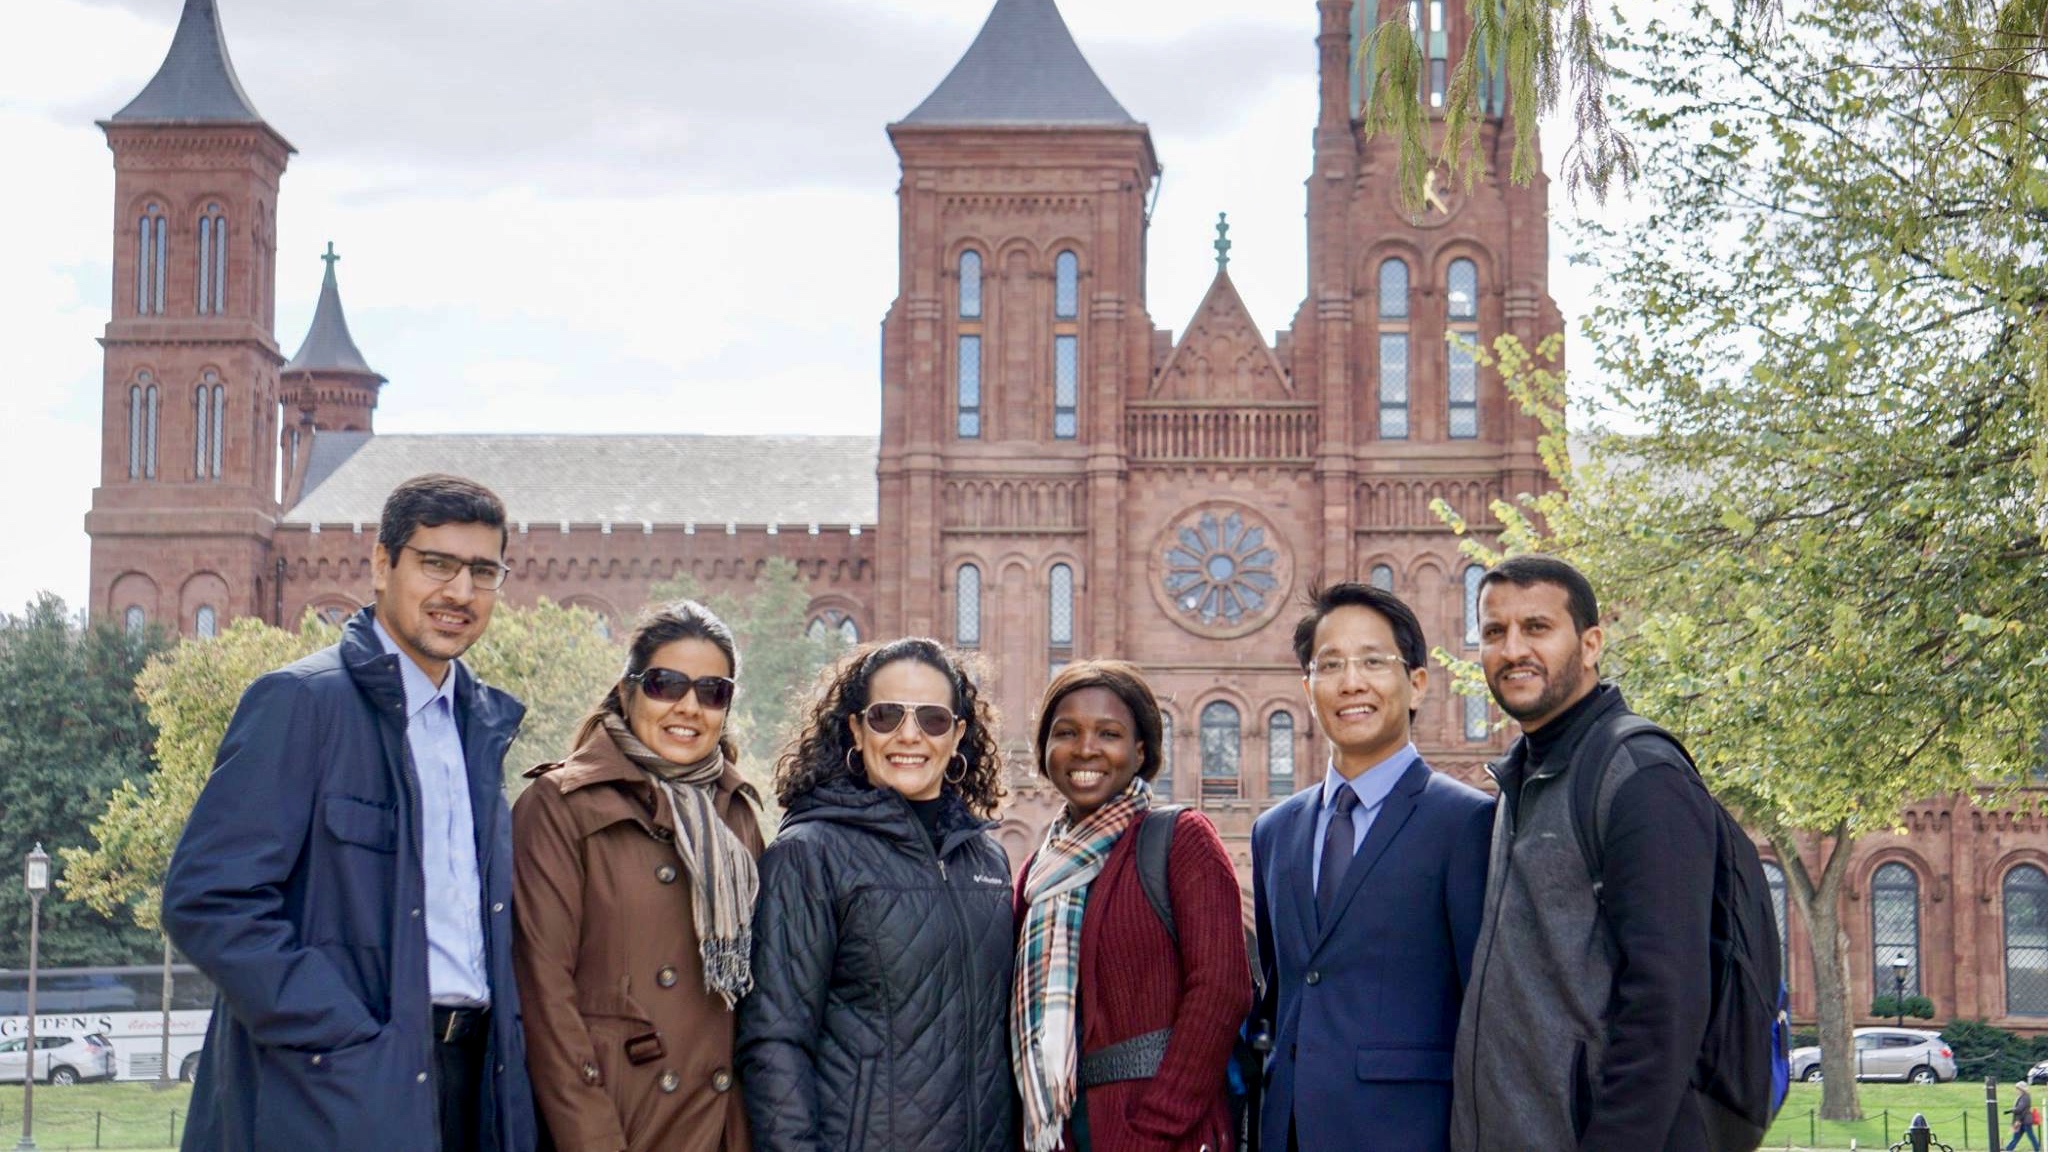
[952, 779]
[850, 769]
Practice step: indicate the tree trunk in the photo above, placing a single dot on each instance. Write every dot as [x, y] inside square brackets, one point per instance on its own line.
[1820, 906]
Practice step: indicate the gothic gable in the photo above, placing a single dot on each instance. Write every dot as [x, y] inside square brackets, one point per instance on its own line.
[1221, 358]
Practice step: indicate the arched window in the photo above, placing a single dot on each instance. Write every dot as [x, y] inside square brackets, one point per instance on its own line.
[1162, 784]
[1220, 740]
[1060, 610]
[150, 408]
[1478, 721]
[2026, 942]
[967, 350]
[849, 632]
[136, 416]
[1461, 307]
[204, 624]
[1393, 350]
[833, 627]
[1473, 575]
[970, 285]
[967, 606]
[819, 631]
[1280, 754]
[1895, 925]
[209, 426]
[1774, 878]
[212, 295]
[151, 247]
[1066, 286]
[134, 619]
[1383, 577]
[1066, 346]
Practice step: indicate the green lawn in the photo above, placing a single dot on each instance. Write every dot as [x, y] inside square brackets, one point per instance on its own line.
[1891, 1107]
[129, 1116]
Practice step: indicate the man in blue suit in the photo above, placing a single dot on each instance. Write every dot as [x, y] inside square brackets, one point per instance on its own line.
[1367, 889]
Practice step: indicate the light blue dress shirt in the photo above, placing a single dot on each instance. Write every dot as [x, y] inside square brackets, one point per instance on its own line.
[1372, 786]
[455, 925]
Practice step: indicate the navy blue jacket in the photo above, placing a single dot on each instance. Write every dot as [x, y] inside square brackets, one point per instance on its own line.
[1364, 1010]
[297, 888]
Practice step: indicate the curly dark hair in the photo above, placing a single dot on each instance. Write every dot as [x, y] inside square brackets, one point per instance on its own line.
[820, 753]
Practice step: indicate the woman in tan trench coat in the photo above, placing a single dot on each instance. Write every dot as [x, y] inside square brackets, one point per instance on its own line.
[634, 888]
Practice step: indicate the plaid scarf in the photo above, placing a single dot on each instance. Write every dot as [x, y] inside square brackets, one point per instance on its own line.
[1044, 1025]
[723, 875]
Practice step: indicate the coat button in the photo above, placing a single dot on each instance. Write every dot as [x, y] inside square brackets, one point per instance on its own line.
[420, 1079]
[589, 1072]
[1313, 978]
[498, 907]
[666, 873]
[317, 1059]
[666, 977]
[670, 1081]
[415, 913]
[721, 1081]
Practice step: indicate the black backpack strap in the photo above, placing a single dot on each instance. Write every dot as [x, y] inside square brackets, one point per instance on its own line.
[1155, 844]
[1590, 762]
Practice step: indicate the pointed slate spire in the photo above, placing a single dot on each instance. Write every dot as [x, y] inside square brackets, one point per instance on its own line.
[197, 83]
[1024, 68]
[328, 346]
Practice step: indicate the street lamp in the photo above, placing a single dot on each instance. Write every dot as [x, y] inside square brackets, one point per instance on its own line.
[35, 876]
[1899, 966]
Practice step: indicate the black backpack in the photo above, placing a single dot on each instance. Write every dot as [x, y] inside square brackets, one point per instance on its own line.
[1744, 1065]
[1246, 1073]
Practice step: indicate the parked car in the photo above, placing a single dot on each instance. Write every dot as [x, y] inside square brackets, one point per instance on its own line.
[1889, 1054]
[2038, 1074]
[60, 1059]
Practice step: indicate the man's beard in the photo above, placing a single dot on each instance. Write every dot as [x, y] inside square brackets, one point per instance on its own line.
[1556, 691]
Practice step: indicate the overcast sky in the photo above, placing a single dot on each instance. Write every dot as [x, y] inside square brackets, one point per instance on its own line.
[605, 215]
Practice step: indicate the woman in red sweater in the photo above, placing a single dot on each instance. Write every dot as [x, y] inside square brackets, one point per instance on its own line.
[1120, 1038]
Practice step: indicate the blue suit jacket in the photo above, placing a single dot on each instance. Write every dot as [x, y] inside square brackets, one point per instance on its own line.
[1364, 1009]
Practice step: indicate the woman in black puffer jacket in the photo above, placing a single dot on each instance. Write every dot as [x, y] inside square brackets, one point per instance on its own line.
[882, 937]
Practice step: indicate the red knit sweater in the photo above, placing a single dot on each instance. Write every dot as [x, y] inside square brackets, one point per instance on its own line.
[1133, 982]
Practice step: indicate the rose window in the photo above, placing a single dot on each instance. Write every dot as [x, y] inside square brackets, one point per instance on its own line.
[1219, 569]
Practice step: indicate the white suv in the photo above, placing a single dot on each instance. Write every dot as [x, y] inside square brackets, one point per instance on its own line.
[1889, 1054]
[59, 1059]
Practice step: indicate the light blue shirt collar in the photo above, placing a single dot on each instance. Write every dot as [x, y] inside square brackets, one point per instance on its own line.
[419, 691]
[1375, 783]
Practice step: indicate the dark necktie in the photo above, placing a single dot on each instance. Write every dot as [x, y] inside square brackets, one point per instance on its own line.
[1337, 847]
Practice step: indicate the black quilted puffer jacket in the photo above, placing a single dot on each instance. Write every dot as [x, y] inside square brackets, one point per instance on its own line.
[879, 1016]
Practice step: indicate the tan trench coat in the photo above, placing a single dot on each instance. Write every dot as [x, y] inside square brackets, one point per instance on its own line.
[626, 1047]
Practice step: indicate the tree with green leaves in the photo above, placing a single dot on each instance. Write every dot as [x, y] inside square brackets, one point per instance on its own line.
[1824, 528]
[558, 661]
[780, 657]
[71, 733]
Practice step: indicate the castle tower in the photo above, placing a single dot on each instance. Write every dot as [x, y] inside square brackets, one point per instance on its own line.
[182, 518]
[327, 386]
[1018, 331]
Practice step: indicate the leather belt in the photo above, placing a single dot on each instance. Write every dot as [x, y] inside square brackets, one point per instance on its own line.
[454, 1025]
[1137, 1058]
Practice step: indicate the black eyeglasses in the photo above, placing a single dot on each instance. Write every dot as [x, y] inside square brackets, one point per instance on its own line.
[669, 686]
[885, 716]
[487, 575]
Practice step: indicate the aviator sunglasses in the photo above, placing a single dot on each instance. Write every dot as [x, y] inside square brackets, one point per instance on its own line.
[885, 716]
[669, 686]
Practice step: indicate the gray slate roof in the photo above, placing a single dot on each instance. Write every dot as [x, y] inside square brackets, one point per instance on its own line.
[197, 83]
[544, 479]
[1024, 68]
[328, 346]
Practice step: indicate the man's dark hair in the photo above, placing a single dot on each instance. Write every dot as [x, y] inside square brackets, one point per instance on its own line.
[1535, 568]
[1322, 601]
[433, 500]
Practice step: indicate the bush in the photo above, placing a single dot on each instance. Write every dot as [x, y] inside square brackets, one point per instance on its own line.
[1982, 1050]
[1918, 1007]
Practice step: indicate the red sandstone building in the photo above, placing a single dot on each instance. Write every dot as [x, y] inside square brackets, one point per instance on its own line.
[1056, 475]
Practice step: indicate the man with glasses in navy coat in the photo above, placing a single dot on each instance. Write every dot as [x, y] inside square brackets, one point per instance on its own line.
[1367, 889]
